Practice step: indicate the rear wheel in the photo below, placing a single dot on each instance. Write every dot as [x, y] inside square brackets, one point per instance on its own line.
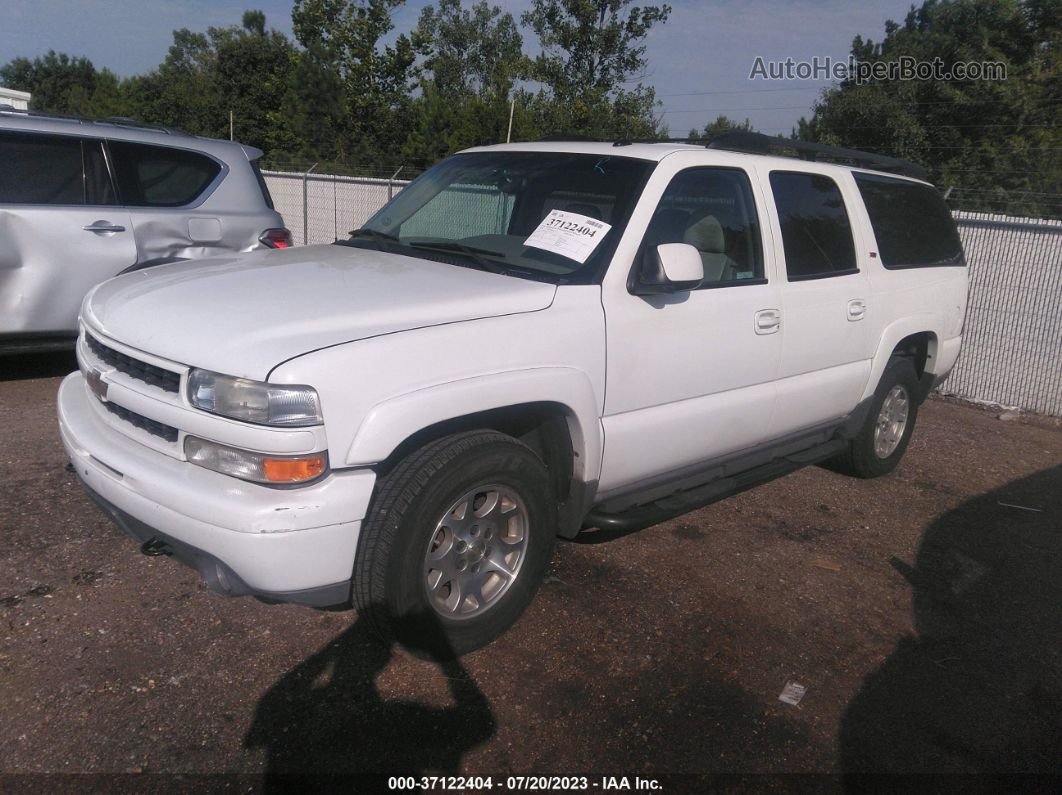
[883, 439]
[456, 543]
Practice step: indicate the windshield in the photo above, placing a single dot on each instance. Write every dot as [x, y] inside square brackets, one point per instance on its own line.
[548, 216]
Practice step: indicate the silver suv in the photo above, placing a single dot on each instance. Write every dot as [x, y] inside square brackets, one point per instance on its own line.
[84, 200]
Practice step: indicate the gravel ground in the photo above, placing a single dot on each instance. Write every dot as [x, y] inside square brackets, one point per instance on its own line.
[922, 612]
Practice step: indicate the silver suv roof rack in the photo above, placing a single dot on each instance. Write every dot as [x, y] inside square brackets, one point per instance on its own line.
[117, 121]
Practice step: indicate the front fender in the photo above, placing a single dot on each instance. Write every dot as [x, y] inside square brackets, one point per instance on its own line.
[391, 422]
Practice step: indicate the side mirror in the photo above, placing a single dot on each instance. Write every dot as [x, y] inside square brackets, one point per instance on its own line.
[670, 268]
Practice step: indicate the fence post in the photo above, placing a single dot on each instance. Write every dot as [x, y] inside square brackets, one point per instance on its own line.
[391, 184]
[305, 205]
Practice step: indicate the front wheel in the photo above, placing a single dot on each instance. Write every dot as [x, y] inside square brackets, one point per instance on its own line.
[456, 543]
[883, 439]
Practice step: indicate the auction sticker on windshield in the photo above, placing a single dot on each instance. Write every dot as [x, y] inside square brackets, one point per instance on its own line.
[571, 235]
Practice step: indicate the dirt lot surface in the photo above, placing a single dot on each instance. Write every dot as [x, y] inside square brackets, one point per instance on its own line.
[922, 612]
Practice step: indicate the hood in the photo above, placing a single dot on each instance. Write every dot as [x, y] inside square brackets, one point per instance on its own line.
[246, 313]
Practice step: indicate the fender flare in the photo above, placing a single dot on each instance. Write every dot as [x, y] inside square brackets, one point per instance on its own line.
[389, 423]
[891, 336]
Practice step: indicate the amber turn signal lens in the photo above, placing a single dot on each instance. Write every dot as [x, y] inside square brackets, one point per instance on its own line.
[293, 470]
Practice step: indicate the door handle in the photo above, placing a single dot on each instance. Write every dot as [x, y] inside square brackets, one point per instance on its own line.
[768, 321]
[857, 309]
[103, 227]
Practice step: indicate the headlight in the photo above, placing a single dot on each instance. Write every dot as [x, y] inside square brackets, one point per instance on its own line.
[288, 405]
[257, 467]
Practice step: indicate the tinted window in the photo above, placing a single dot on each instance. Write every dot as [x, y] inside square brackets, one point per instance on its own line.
[41, 169]
[157, 176]
[816, 233]
[99, 189]
[711, 209]
[913, 226]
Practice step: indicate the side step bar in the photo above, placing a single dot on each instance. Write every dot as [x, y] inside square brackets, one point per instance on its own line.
[611, 526]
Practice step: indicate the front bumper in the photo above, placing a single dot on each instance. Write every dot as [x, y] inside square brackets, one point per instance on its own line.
[294, 544]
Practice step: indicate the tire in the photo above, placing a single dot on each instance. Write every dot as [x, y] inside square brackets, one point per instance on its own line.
[455, 544]
[883, 439]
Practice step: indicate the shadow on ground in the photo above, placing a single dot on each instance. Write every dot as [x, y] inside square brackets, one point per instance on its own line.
[326, 718]
[978, 689]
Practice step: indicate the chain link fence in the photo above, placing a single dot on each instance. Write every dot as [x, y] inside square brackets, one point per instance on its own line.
[320, 208]
[1012, 345]
[1012, 351]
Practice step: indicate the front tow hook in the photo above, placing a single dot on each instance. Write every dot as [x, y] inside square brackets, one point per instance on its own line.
[155, 546]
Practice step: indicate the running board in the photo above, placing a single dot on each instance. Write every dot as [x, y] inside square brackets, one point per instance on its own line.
[616, 525]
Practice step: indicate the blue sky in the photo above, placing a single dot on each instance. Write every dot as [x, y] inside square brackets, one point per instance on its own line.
[699, 62]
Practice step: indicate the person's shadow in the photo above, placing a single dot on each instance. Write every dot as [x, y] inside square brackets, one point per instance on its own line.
[978, 689]
[325, 724]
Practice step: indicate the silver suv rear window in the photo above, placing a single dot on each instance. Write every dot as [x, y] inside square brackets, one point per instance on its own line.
[158, 176]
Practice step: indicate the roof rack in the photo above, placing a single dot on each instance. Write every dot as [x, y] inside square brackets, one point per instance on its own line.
[39, 113]
[117, 121]
[125, 121]
[758, 143]
[572, 138]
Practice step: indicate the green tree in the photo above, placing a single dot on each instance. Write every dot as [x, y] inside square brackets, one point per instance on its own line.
[470, 52]
[310, 122]
[998, 143]
[722, 124]
[64, 84]
[243, 70]
[377, 78]
[253, 68]
[591, 49]
[183, 91]
[472, 58]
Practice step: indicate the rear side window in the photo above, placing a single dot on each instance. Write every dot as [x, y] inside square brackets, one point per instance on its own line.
[158, 176]
[816, 232]
[911, 223]
[53, 169]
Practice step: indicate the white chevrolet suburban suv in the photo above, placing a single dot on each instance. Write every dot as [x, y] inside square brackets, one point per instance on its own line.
[529, 340]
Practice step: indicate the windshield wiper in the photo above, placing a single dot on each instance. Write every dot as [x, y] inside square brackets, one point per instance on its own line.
[472, 252]
[366, 232]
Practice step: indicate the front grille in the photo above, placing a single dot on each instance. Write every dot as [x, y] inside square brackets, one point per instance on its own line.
[167, 432]
[164, 379]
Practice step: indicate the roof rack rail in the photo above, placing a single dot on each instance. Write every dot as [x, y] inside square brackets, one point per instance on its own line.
[572, 138]
[125, 121]
[39, 113]
[758, 143]
[117, 121]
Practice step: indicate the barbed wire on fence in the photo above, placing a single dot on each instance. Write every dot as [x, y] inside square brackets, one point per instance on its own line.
[327, 168]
